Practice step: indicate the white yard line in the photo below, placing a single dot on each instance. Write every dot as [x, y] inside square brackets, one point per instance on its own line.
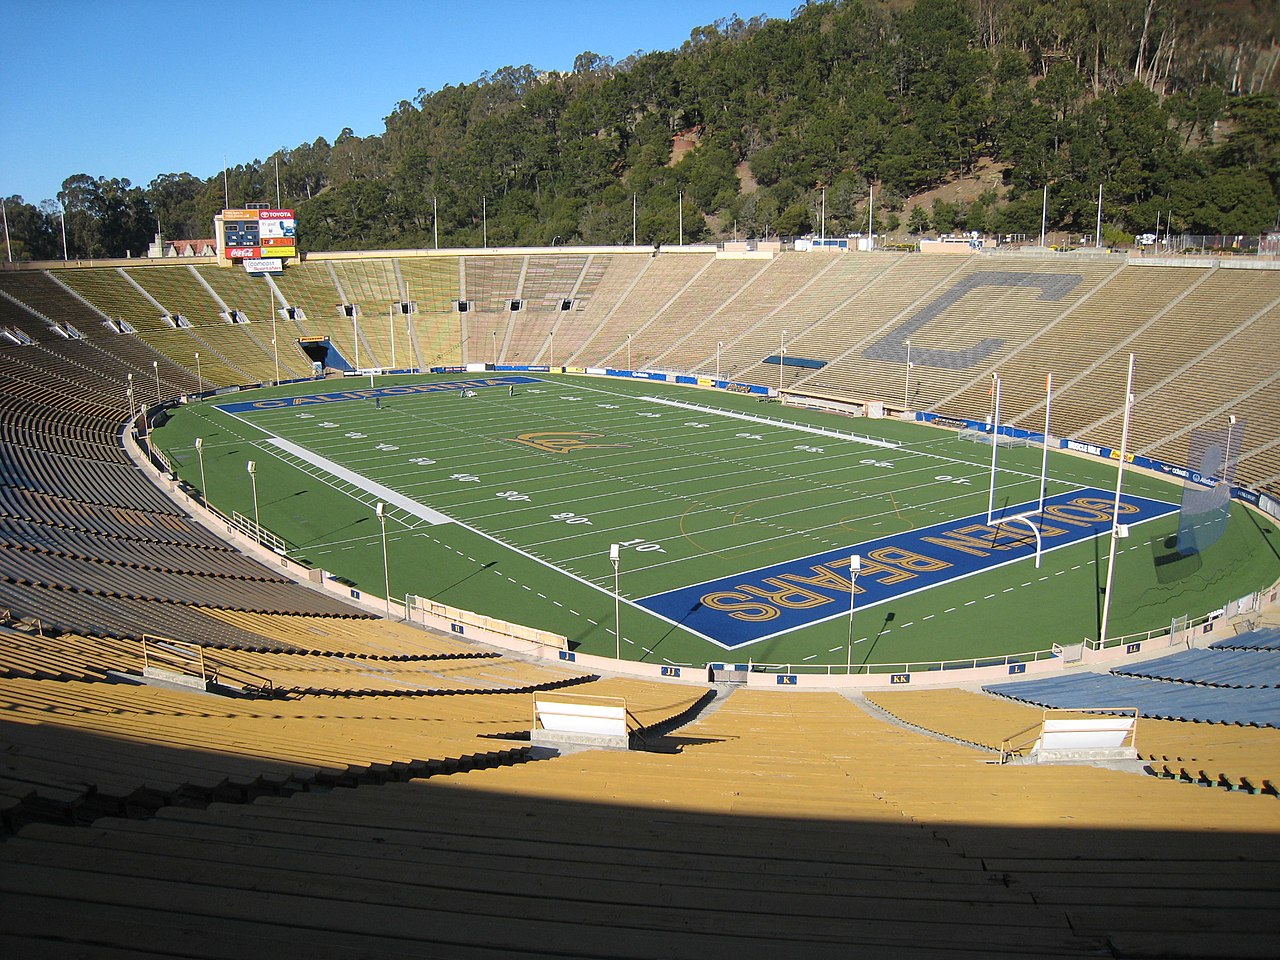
[409, 506]
[769, 421]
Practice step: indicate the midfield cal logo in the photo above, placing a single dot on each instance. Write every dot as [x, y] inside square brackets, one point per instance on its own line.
[563, 441]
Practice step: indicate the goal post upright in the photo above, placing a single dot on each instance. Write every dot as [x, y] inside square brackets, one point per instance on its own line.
[995, 446]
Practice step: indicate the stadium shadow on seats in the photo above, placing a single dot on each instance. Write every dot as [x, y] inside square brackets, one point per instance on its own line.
[477, 864]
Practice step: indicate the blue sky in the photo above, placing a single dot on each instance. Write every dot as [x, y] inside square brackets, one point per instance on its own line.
[137, 88]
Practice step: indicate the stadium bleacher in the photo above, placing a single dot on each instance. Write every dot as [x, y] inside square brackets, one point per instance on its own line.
[1154, 698]
[384, 800]
[1264, 638]
[1214, 667]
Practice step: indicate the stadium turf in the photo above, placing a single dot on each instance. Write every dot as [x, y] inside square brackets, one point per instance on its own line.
[735, 519]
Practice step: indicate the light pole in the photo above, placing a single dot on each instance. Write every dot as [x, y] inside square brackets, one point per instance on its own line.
[782, 355]
[614, 557]
[204, 486]
[719, 347]
[355, 334]
[1226, 457]
[381, 509]
[253, 479]
[155, 365]
[552, 337]
[199, 379]
[628, 351]
[681, 201]
[855, 564]
[495, 348]
[133, 413]
[391, 332]
[906, 389]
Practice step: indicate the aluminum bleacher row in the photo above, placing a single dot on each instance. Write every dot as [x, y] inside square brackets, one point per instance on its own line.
[1266, 638]
[1211, 668]
[1154, 698]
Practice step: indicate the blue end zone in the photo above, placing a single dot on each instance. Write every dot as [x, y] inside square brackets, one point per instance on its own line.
[760, 604]
[371, 393]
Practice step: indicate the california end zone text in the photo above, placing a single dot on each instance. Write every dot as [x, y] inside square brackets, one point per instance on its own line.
[757, 605]
[375, 393]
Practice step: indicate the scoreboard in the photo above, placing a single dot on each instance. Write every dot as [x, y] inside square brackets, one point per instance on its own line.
[256, 234]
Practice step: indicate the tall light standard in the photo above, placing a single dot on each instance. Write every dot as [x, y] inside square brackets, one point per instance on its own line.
[855, 564]
[253, 479]
[614, 557]
[199, 379]
[495, 348]
[681, 201]
[133, 413]
[391, 332]
[204, 486]
[381, 509]
[629, 351]
[552, 337]
[1097, 238]
[1226, 457]
[782, 356]
[155, 365]
[435, 224]
[906, 387]
[1044, 212]
[719, 347]
[484, 220]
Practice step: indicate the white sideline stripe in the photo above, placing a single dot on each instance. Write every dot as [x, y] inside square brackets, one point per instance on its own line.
[717, 411]
[386, 493]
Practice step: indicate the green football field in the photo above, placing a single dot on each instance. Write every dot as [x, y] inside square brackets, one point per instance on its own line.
[735, 519]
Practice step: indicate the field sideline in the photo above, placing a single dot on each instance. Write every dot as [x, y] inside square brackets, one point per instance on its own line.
[504, 493]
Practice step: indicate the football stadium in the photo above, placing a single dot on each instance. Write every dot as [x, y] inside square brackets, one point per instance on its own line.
[592, 593]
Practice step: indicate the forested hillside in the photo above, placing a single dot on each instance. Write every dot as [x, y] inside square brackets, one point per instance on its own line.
[1170, 105]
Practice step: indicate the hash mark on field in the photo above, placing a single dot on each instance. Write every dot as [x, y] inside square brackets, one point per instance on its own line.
[833, 650]
[989, 596]
[949, 610]
[1009, 589]
[970, 603]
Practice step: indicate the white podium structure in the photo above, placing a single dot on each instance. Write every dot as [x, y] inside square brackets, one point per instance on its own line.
[561, 719]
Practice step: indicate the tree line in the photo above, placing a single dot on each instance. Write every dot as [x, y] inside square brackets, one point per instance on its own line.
[1169, 105]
